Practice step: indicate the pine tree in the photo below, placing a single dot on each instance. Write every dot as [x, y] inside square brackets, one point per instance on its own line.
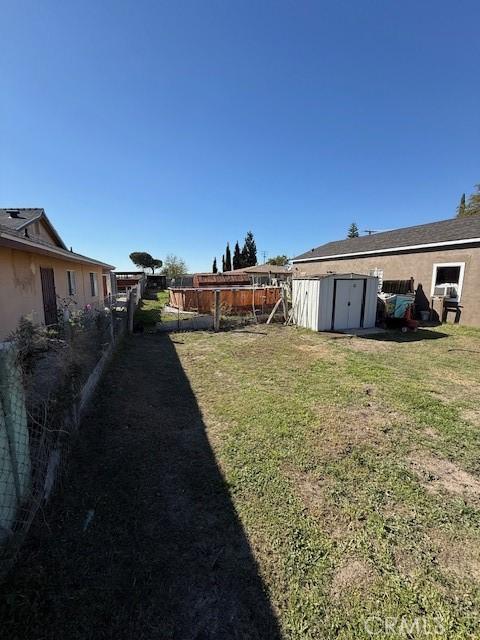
[473, 204]
[249, 251]
[461, 207]
[228, 258]
[353, 231]
[214, 266]
[223, 263]
[237, 257]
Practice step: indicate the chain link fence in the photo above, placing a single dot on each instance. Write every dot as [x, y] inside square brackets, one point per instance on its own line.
[47, 375]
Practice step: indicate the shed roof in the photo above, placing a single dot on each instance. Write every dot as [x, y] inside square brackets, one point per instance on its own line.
[433, 234]
[336, 276]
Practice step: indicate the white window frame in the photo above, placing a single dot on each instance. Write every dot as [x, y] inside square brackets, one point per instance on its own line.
[93, 284]
[71, 283]
[460, 277]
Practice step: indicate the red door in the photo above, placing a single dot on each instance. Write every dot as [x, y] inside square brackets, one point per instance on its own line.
[49, 295]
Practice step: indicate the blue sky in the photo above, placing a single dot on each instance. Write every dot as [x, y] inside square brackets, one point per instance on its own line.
[172, 127]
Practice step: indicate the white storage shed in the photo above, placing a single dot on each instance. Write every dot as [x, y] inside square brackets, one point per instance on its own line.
[335, 302]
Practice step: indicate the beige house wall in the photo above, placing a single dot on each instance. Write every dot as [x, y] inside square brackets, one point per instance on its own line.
[21, 288]
[417, 265]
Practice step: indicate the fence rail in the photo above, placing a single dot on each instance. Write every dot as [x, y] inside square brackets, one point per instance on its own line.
[233, 300]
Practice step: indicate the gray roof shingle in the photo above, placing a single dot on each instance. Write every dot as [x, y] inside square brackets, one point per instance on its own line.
[22, 218]
[434, 232]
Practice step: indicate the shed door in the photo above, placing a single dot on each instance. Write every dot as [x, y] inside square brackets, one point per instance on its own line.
[49, 295]
[348, 304]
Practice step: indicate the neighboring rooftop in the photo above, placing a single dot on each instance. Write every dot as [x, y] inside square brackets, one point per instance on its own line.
[434, 233]
[16, 219]
[261, 268]
[12, 224]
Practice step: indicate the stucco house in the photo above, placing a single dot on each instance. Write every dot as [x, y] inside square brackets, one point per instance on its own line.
[38, 273]
[443, 258]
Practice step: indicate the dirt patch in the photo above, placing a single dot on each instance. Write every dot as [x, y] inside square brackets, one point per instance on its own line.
[314, 493]
[431, 433]
[406, 562]
[459, 558]
[437, 474]
[320, 348]
[472, 416]
[354, 576]
[342, 430]
[368, 345]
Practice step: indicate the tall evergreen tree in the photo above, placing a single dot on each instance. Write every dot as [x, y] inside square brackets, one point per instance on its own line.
[223, 263]
[353, 231]
[461, 207]
[237, 257]
[228, 258]
[214, 266]
[473, 203]
[249, 251]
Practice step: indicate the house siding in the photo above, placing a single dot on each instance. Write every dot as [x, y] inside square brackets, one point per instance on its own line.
[418, 265]
[21, 289]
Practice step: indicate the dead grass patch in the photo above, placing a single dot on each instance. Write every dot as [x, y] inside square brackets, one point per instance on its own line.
[354, 576]
[406, 562]
[341, 430]
[458, 557]
[436, 474]
[313, 491]
[366, 345]
[472, 416]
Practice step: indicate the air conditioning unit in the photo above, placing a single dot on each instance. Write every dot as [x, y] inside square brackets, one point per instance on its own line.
[447, 290]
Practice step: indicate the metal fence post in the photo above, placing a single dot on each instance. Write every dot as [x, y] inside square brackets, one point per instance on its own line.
[130, 311]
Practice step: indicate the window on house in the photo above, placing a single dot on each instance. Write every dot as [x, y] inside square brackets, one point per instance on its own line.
[71, 283]
[447, 279]
[93, 284]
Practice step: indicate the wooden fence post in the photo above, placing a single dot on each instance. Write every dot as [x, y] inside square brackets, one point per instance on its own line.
[216, 311]
[284, 303]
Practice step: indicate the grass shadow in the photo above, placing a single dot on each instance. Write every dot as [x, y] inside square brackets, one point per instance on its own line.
[392, 335]
[165, 555]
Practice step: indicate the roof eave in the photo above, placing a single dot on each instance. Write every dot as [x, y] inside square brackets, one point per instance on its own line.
[415, 247]
[26, 244]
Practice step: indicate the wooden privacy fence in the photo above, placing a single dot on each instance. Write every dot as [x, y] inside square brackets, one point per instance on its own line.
[232, 300]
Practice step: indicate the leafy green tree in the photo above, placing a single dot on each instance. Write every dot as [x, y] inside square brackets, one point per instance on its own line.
[279, 261]
[461, 207]
[223, 263]
[249, 251]
[353, 231]
[228, 258]
[174, 267]
[214, 266]
[144, 260]
[237, 257]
